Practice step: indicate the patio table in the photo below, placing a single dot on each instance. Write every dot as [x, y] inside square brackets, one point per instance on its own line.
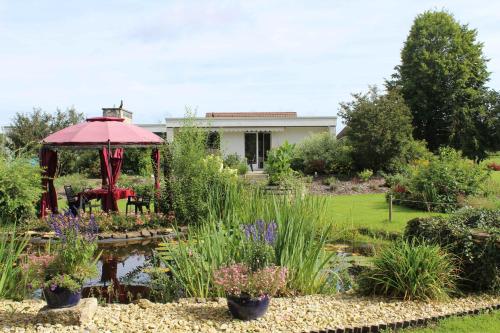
[102, 193]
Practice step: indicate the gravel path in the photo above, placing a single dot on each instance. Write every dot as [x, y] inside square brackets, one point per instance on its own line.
[285, 315]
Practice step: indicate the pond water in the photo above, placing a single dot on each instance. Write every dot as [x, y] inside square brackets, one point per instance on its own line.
[121, 277]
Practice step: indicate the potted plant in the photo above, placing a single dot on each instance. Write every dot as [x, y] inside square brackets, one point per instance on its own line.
[248, 292]
[61, 275]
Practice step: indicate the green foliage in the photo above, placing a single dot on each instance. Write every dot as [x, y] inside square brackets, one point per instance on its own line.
[438, 184]
[278, 164]
[410, 271]
[479, 258]
[73, 261]
[142, 186]
[242, 168]
[258, 255]
[220, 241]
[330, 181]
[163, 288]
[11, 249]
[20, 189]
[232, 161]
[324, 154]
[380, 129]
[28, 129]
[365, 175]
[137, 161]
[77, 181]
[442, 77]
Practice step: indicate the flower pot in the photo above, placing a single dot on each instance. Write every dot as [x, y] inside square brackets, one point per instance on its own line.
[246, 308]
[61, 297]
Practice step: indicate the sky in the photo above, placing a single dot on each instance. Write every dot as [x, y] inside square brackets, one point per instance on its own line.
[160, 57]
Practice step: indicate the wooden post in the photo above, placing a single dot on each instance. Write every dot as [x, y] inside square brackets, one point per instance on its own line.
[390, 207]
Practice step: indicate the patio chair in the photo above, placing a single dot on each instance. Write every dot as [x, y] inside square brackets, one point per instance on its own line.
[74, 203]
[139, 202]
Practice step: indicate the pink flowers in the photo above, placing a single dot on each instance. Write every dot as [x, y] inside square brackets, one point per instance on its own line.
[238, 280]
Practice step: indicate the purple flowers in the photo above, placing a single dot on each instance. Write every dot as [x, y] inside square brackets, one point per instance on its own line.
[67, 223]
[260, 231]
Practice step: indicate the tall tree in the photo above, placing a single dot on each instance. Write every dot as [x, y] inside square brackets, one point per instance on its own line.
[442, 77]
[380, 129]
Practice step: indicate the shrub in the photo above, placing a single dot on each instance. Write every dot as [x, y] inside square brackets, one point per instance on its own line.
[242, 168]
[232, 160]
[191, 174]
[20, 189]
[278, 165]
[438, 184]
[410, 271]
[380, 128]
[323, 153]
[479, 260]
[330, 181]
[365, 175]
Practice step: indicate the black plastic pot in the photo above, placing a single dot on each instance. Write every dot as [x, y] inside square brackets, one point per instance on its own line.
[246, 308]
[61, 297]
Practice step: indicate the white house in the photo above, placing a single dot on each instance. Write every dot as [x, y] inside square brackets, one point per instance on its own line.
[252, 134]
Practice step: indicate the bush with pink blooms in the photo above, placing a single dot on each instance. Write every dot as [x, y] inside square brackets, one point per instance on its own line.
[240, 280]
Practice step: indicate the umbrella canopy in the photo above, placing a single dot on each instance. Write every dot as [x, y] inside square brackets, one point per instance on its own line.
[101, 131]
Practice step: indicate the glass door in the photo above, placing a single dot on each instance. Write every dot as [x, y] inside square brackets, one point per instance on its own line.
[251, 149]
[264, 144]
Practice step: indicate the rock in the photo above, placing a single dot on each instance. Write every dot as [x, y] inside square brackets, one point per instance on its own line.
[80, 314]
[104, 235]
[153, 232]
[145, 233]
[119, 235]
[144, 303]
[366, 249]
[133, 234]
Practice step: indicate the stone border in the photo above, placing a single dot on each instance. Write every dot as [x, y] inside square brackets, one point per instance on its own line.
[117, 236]
[395, 326]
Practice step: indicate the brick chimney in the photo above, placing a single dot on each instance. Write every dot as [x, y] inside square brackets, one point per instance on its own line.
[118, 112]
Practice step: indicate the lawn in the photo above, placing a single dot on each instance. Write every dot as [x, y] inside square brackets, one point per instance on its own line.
[485, 323]
[370, 211]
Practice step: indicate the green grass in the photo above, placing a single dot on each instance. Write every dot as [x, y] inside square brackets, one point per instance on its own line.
[369, 211]
[485, 323]
[63, 204]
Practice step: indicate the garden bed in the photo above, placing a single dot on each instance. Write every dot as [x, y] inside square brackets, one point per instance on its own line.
[298, 314]
[352, 186]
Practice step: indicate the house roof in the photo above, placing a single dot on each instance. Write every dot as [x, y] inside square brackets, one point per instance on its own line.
[251, 115]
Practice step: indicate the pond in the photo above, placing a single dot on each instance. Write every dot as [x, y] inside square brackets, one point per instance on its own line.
[121, 277]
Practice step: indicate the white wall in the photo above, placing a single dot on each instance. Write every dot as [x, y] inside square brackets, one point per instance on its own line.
[294, 134]
[233, 142]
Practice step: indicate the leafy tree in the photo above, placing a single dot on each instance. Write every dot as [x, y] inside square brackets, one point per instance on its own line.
[28, 129]
[442, 77]
[380, 128]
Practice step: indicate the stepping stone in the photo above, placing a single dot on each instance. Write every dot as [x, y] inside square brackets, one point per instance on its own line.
[80, 314]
